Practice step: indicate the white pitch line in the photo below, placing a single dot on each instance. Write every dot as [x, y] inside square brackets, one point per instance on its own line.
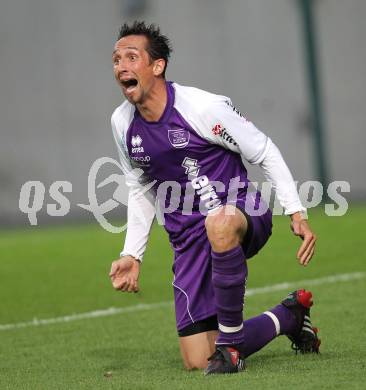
[91, 314]
[152, 306]
[309, 282]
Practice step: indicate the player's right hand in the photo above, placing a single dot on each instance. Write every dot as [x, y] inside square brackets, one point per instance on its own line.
[125, 273]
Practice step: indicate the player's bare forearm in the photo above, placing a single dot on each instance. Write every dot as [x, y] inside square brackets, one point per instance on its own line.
[124, 274]
[301, 228]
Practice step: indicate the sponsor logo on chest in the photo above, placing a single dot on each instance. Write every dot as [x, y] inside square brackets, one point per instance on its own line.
[140, 160]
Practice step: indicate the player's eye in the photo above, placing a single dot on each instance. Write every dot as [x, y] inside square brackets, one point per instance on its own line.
[115, 61]
[133, 57]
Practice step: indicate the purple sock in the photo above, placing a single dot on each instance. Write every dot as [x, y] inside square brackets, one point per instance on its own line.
[229, 271]
[286, 319]
[260, 330]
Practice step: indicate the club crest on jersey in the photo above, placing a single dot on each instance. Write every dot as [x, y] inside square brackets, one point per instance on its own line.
[179, 138]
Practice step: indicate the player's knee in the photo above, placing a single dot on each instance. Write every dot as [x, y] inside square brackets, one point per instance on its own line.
[223, 229]
[195, 363]
[220, 224]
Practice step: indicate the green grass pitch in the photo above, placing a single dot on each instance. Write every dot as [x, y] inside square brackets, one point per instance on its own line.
[53, 272]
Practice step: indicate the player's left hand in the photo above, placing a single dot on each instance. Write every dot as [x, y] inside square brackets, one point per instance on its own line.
[124, 274]
[301, 228]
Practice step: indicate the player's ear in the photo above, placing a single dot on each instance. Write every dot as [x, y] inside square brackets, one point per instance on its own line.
[159, 66]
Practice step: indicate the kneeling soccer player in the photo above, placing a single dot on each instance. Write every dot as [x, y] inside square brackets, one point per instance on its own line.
[186, 137]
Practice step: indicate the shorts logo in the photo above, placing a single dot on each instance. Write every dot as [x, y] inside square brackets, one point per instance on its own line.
[191, 166]
[201, 184]
[136, 142]
[179, 138]
[223, 133]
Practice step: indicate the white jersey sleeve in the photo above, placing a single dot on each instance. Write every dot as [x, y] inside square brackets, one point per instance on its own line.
[141, 203]
[219, 122]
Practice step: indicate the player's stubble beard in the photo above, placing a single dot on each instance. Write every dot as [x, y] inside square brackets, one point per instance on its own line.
[133, 98]
[140, 96]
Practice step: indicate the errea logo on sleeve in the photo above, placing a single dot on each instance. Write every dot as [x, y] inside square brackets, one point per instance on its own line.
[136, 142]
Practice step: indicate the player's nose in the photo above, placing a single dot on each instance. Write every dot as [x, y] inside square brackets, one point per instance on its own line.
[120, 72]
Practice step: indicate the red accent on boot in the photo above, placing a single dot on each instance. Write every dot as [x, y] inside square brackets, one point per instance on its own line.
[234, 355]
[305, 298]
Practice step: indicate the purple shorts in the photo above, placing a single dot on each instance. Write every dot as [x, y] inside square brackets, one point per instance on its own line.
[193, 291]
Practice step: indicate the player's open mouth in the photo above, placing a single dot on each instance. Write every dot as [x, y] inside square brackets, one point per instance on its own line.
[129, 85]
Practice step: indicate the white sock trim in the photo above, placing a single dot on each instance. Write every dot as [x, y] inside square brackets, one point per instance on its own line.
[275, 321]
[230, 329]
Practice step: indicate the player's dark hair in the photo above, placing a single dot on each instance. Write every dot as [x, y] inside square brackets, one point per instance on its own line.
[158, 46]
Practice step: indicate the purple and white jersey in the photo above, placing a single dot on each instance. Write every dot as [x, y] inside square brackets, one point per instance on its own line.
[193, 158]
